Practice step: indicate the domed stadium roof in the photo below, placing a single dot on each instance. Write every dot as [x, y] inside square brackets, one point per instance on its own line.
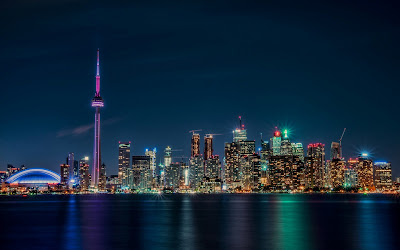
[34, 176]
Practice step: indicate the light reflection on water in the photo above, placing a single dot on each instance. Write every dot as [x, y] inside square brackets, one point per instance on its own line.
[271, 221]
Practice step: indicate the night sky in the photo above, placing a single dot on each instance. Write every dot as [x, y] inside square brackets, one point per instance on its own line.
[169, 67]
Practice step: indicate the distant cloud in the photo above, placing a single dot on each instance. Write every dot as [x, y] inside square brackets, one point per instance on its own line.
[82, 129]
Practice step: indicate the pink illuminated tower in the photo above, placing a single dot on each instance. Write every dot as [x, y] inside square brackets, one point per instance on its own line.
[97, 102]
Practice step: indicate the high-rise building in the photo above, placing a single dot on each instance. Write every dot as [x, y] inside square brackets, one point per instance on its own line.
[208, 146]
[383, 176]
[64, 172]
[195, 145]
[124, 166]
[153, 161]
[102, 178]
[184, 179]
[286, 172]
[275, 143]
[172, 176]
[337, 169]
[286, 146]
[70, 163]
[247, 148]
[231, 164]
[350, 177]
[315, 165]
[240, 134]
[335, 150]
[142, 174]
[297, 150]
[213, 167]
[97, 102]
[196, 171]
[365, 173]
[84, 173]
[167, 156]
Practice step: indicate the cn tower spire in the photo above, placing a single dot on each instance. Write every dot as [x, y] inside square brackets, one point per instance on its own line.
[98, 181]
[98, 74]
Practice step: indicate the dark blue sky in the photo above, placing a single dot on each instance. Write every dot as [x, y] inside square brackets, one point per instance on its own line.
[169, 67]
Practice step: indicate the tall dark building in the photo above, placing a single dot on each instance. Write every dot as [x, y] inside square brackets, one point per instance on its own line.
[102, 178]
[196, 171]
[84, 178]
[142, 174]
[231, 164]
[124, 156]
[64, 172]
[208, 147]
[195, 145]
[335, 150]
[315, 165]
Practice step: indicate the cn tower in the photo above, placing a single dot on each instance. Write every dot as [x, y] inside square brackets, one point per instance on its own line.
[97, 102]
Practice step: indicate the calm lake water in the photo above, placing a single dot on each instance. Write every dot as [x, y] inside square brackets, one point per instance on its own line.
[220, 221]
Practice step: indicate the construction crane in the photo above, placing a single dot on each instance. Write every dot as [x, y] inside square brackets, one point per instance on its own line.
[340, 143]
[195, 130]
[211, 135]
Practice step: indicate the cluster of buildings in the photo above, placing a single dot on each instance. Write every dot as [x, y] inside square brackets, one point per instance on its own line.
[278, 165]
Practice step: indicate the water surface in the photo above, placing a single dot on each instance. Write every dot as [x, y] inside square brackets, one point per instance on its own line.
[217, 221]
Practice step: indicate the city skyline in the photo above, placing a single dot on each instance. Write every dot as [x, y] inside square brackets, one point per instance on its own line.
[315, 105]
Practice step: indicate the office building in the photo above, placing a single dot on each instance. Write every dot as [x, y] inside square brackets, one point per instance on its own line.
[167, 156]
[213, 167]
[64, 174]
[142, 174]
[196, 171]
[383, 176]
[195, 145]
[124, 164]
[335, 150]
[84, 178]
[275, 143]
[315, 165]
[365, 173]
[208, 146]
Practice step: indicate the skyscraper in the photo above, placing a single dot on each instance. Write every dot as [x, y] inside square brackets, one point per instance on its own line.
[208, 147]
[64, 172]
[350, 177]
[297, 149]
[97, 102]
[70, 163]
[231, 164]
[195, 145]
[276, 143]
[247, 148]
[167, 156]
[213, 167]
[102, 177]
[365, 173]
[84, 173]
[142, 174]
[124, 159]
[337, 168]
[240, 134]
[153, 163]
[172, 175]
[286, 146]
[383, 176]
[315, 165]
[196, 171]
[335, 150]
